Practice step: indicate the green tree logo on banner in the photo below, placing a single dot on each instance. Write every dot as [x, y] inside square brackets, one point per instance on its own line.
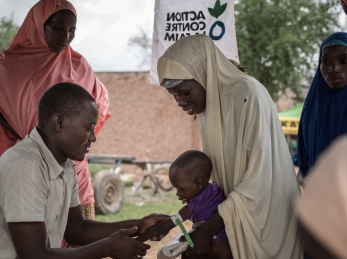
[217, 11]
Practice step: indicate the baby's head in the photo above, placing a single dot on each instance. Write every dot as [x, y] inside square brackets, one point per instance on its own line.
[190, 174]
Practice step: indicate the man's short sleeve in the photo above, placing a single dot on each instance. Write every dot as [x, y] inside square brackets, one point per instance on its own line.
[23, 191]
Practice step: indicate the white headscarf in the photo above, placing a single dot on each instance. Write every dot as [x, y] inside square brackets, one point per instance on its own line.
[241, 133]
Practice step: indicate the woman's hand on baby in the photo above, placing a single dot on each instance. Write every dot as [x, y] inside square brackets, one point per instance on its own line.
[202, 242]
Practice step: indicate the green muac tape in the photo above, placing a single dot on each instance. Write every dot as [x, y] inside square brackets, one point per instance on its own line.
[186, 235]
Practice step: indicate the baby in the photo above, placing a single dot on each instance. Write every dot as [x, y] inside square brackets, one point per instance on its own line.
[190, 174]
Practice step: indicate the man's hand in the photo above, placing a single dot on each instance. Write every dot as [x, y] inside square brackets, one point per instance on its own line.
[123, 246]
[150, 220]
[157, 231]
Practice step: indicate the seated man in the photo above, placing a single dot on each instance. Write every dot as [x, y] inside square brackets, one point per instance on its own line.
[39, 202]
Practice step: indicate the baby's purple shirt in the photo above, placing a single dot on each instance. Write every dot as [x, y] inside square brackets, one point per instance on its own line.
[205, 205]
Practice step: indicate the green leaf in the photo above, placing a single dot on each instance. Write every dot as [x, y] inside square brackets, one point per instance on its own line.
[218, 9]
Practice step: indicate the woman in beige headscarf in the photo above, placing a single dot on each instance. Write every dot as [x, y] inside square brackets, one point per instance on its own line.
[241, 133]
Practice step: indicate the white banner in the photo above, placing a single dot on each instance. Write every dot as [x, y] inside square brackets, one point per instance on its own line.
[175, 19]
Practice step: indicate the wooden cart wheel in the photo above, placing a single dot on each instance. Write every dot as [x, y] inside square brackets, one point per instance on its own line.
[108, 192]
[162, 177]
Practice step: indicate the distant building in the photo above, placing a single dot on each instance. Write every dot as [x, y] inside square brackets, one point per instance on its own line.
[146, 120]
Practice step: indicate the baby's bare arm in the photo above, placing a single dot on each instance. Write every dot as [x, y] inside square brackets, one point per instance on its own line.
[184, 212]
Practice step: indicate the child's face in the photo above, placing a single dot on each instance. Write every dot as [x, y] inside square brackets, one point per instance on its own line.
[187, 187]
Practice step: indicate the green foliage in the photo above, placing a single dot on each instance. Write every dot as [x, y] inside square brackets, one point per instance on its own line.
[8, 30]
[277, 39]
[218, 9]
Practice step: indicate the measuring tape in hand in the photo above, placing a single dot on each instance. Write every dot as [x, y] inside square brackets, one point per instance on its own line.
[177, 220]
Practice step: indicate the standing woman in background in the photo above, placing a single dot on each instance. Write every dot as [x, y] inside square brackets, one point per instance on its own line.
[324, 116]
[39, 57]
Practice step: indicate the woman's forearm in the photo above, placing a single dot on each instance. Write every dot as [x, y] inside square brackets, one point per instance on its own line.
[213, 224]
